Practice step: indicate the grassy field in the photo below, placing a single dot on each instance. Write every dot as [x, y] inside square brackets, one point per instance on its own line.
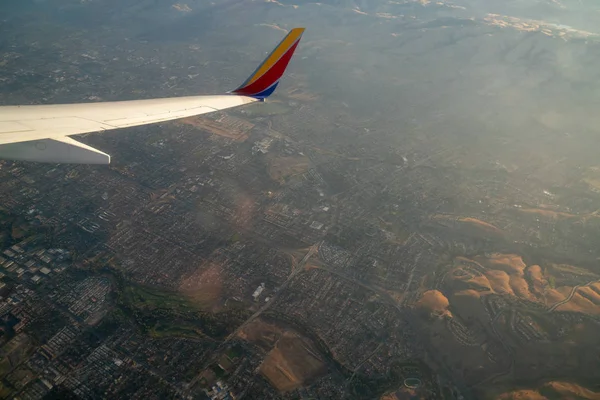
[139, 297]
[178, 330]
[162, 313]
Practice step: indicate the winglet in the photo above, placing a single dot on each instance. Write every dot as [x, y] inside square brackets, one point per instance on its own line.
[265, 79]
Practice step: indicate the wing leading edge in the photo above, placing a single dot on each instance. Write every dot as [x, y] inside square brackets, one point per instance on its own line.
[40, 132]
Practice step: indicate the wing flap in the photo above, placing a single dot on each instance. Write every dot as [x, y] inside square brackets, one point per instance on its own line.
[59, 150]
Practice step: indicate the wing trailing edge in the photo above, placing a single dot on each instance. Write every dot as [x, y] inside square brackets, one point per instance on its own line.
[58, 150]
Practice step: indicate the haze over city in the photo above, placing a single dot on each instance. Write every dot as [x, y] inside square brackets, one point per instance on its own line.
[413, 214]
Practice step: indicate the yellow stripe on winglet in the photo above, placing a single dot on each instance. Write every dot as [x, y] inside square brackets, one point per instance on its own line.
[279, 51]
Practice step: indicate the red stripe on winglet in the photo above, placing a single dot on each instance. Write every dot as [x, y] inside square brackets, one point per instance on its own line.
[271, 76]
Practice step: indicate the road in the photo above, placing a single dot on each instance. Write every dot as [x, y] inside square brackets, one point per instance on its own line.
[364, 361]
[408, 319]
[508, 349]
[298, 269]
[570, 296]
[319, 265]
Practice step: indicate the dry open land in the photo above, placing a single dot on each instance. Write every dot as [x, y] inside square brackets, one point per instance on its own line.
[203, 287]
[405, 394]
[281, 168]
[261, 333]
[292, 362]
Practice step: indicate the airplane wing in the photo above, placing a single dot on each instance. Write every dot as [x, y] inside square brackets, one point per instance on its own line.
[40, 132]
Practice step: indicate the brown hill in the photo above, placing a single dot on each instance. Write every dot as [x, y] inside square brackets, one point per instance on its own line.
[469, 226]
[522, 395]
[551, 391]
[406, 394]
[547, 213]
[483, 317]
[507, 274]
[482, 225]
[567, 390]
[434, 302]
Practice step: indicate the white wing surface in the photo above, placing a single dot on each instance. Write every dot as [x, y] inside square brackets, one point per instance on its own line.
[25, 123]
[40, 132]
